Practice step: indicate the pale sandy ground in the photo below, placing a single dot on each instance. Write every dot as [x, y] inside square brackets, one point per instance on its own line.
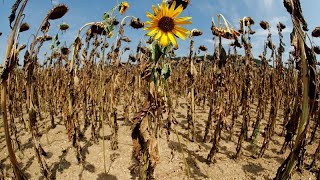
[63, 164]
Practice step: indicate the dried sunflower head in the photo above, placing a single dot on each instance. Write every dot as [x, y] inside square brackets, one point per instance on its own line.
[126, 48]
[64, 50]
[226, 31]
[264, 25]
[247, 21]
[24, 27]
[0, 33]
[58, 12]
[316, 49]
[123, 7]
[203, 48]
[98, 28]
[136, 23]
[281, 26]
[196, 32]
[44, 38]
[316, 32]
[115, 21]
[47, 38]
[223, 32]
[63, 26]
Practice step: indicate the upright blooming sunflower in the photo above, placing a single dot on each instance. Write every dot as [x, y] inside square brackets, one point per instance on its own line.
[165, 24]
[123, 7]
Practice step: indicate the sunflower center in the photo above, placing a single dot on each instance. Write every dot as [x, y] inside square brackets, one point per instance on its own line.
[166, 24]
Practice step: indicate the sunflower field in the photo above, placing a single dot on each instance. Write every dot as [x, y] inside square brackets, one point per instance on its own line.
[83, 111]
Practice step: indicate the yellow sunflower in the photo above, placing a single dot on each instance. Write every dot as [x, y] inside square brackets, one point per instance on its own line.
[123, 7]
[165, 24]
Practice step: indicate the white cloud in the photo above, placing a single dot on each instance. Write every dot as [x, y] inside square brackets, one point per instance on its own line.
[274, 31]
[268, 3]
[224, 41]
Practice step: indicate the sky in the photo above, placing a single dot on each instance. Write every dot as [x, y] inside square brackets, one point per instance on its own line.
[201, 11]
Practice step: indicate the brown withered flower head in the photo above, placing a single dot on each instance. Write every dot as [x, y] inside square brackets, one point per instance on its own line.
[184, 3]
[47, 38]
[0, 33]
[126, 48]
[281, 26]
[58, 12]
[64, 26]
[44, 38]
[203, 48]
[264, 25]
[316, 49]
[316, 32]
[136, 23]
[65, 50]
[248, 21]
[196, 32]
[98, 28]
[224, 32]
[24, 27]
[115, 21]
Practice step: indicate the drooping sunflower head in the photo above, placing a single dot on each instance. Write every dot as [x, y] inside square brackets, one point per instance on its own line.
[123, 7]
[165, 24]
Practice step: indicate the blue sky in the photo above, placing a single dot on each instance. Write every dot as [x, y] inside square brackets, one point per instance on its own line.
[201, 11]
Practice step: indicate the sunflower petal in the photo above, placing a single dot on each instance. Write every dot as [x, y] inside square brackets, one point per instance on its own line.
[181, 29]
[149, 22]
[180, 32]
[150, 27]
[155, 9]
[164, 40]
[153, 32]
[151, 16]
[171, 10]
[172, 39]
[158, 35]
[177, 11]
[182, 20]
[163, 8]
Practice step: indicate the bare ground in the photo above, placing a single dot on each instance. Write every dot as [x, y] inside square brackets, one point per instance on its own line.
[63, 163]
